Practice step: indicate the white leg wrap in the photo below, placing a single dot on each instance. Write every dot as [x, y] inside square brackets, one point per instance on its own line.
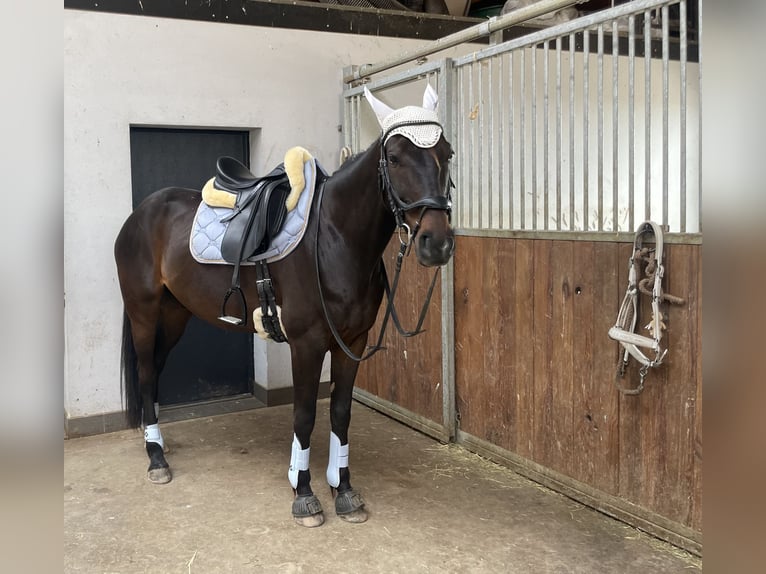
[152, 434]
[299, 460]
[338, 459]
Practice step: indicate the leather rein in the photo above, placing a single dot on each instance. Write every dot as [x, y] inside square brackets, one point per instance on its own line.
[399, 209]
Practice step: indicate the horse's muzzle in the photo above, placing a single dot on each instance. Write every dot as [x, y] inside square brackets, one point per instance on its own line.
[432, 251]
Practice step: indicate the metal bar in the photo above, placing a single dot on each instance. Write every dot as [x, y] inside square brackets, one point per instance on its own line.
[396, 78]
[446, 83]
[480, 148]
[354, 125]
[471, 161]
[501, 148]
[511, 135]
[348, 124]
[600, 225]
[558, 133]
[546, 129]
[586, 128]
[615, 126]
[534, 138]
[631, 120]
[581, 23]
[665, 116]
[572, 131]
[700, 67]
[469, 34]
[490, 145]
[682, 128]
[647, 117]
[459, 118]
[523, 141]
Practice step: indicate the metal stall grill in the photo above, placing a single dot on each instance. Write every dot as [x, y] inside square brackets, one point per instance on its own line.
[566, 139]
[583, 126]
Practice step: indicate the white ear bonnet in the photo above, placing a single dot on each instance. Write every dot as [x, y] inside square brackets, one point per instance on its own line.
[423, 136]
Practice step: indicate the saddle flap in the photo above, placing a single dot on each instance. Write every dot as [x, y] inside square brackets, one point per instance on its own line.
[251, 230]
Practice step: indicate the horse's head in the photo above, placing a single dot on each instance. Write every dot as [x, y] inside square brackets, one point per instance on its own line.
[415, 176]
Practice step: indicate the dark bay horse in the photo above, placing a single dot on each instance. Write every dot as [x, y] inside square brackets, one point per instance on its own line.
[402, 179]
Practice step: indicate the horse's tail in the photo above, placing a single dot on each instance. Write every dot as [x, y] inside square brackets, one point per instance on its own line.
[131, 394]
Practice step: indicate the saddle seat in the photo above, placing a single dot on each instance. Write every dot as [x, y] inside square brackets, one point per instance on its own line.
[232, 175]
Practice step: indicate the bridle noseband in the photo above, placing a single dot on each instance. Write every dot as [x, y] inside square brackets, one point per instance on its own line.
[395, 203]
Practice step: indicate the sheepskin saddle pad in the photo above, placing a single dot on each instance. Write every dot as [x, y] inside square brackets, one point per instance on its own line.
[244, 218]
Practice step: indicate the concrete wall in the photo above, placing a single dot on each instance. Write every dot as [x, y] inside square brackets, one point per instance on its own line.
[129, 70]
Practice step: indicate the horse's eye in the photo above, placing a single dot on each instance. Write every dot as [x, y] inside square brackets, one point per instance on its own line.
[393, 160]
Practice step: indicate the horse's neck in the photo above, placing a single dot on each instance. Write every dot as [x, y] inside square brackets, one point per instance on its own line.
[355, 206]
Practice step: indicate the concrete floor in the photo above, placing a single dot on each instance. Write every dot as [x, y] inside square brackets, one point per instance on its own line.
[433, 507]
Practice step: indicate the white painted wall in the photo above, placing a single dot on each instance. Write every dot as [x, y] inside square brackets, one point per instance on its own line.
[128, 70]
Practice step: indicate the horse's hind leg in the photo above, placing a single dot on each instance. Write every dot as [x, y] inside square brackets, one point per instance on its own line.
[156, 328]
[348, 503]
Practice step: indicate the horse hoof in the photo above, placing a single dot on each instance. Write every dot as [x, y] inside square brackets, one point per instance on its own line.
[310, 521]
[160, 475]
[355, 517]
[349, 506]
[307, 511]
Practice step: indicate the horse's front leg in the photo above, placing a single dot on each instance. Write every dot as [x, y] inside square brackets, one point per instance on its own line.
[348, 503]
[306, 369]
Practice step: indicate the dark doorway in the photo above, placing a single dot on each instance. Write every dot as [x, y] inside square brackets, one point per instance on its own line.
[207, 363]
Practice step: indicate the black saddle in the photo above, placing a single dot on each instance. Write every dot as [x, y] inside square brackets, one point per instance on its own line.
[258, 215]
[259, 212]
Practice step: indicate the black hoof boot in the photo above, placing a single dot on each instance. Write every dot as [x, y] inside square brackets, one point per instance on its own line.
[307, 511]
[159, 470]
[349, 506]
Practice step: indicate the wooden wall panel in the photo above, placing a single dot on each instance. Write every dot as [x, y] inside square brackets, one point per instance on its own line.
[535, 368]
[409, 371]
[595, 404]
[552, 404]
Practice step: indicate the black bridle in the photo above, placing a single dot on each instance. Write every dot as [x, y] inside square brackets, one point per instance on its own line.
[395, 203]
[399, 208]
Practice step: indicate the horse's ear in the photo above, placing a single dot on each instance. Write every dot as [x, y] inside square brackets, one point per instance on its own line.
[430, 98]
[381, 110]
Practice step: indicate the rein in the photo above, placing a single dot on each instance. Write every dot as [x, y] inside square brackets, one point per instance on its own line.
[399, 208]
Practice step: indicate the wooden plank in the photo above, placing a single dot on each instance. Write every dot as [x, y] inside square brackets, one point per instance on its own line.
[657, 426]
[524, 346]
[498, 405]
[553, 355]
[632, 414]
[676, 413]
[469, 327]
[696, 518]
[561, 335]
[408, 372]
[595, 406]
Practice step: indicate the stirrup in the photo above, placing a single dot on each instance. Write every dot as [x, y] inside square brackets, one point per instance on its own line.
[232, 319]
